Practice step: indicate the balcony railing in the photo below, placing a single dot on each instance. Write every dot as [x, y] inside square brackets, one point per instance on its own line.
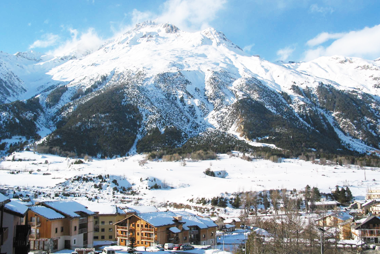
[3, 235]
[122, 236]
[82, 230]
[83, 220]
[121, 228]
[371, 233]
[147, 229]
[195, 232]
[34, 224]
[34, 236]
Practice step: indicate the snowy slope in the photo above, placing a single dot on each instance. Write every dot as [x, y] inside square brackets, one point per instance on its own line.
[196, 81]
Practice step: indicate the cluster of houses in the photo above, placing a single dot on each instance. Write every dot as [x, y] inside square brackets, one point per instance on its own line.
[57, 225]
[359, 222]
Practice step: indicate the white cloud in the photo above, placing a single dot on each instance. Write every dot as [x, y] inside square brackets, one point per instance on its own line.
[86, 43]
[323, 37]
[190, 14]
[285, 53]
[320, 9]
[248, 48]
[364, 43]
[47, 41]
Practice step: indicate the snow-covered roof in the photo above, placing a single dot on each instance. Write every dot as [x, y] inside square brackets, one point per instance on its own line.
[69, 208]
[343, 216]
[158, 219]
[194, 220]
[47, 212]
[144, 209]
[104, 208]
[175, 230]
[262, 232]
[3, 198]
[16, 207]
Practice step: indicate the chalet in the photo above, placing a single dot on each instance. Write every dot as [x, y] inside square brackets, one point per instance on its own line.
[14, 232]
[148, 229]
[372, 194]
[368, 230]
[334, 219]
[235, 222]
[60, 225]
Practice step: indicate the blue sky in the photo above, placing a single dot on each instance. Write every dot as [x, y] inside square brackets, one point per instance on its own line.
[274, 29]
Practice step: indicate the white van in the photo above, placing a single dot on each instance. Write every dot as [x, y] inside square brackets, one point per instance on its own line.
[168, 246]
[107, 251]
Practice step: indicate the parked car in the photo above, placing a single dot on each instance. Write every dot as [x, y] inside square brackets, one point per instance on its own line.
[187, 247]
[177, 247]
[168, 246]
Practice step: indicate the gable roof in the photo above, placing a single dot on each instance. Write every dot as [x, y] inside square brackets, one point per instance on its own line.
[371, 218]
[46, 212]
[3, 199]
[68, 208]
[16, 208]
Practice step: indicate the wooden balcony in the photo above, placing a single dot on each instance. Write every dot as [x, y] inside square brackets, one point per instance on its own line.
[34, 224]
[151, 230]
[34, 236]
[370, 233]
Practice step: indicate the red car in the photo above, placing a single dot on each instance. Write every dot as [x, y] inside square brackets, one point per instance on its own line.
[177, 247]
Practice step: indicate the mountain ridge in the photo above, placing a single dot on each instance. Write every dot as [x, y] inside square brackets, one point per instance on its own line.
[190, 83]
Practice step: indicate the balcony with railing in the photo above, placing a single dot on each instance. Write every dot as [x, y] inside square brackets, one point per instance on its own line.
[34, 224]
[147, 230]
[83, 220]
[82, 230]
[370, 233]
[21, 239]
[34, 236]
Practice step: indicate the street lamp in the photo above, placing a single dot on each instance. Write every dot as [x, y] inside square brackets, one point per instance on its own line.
[322, 232]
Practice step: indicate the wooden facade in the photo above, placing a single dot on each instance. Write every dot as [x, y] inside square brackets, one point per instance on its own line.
[178, 231]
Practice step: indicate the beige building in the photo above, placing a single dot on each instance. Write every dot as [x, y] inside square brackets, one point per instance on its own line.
[104, 220]
[372, 194]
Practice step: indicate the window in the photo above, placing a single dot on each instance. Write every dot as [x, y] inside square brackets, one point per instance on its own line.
[96, 229]
[74, 241]
[110, 237]
[56, 230]
[138, 242]
[102, 237]
[146, 225]
[122, 240]
[75, 228]
[138, 225]
[138, 233]
[212, 233]
[110, 230]
[102, 222]
[102, 230]
[61, 229]
[204, 236]
[110, 222]
[185, 238]
[96, 237]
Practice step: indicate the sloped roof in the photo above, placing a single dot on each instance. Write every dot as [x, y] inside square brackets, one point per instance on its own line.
[47, 212]
[367, 220]
[174, 230]
[158, 219]
[16, 207]
[3, 198]
[69, 208]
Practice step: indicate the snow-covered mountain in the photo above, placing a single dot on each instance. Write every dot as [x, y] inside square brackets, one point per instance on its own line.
[157, 86]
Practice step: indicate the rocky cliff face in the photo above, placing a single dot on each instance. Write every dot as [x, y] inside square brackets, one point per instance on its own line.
[156, 86]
